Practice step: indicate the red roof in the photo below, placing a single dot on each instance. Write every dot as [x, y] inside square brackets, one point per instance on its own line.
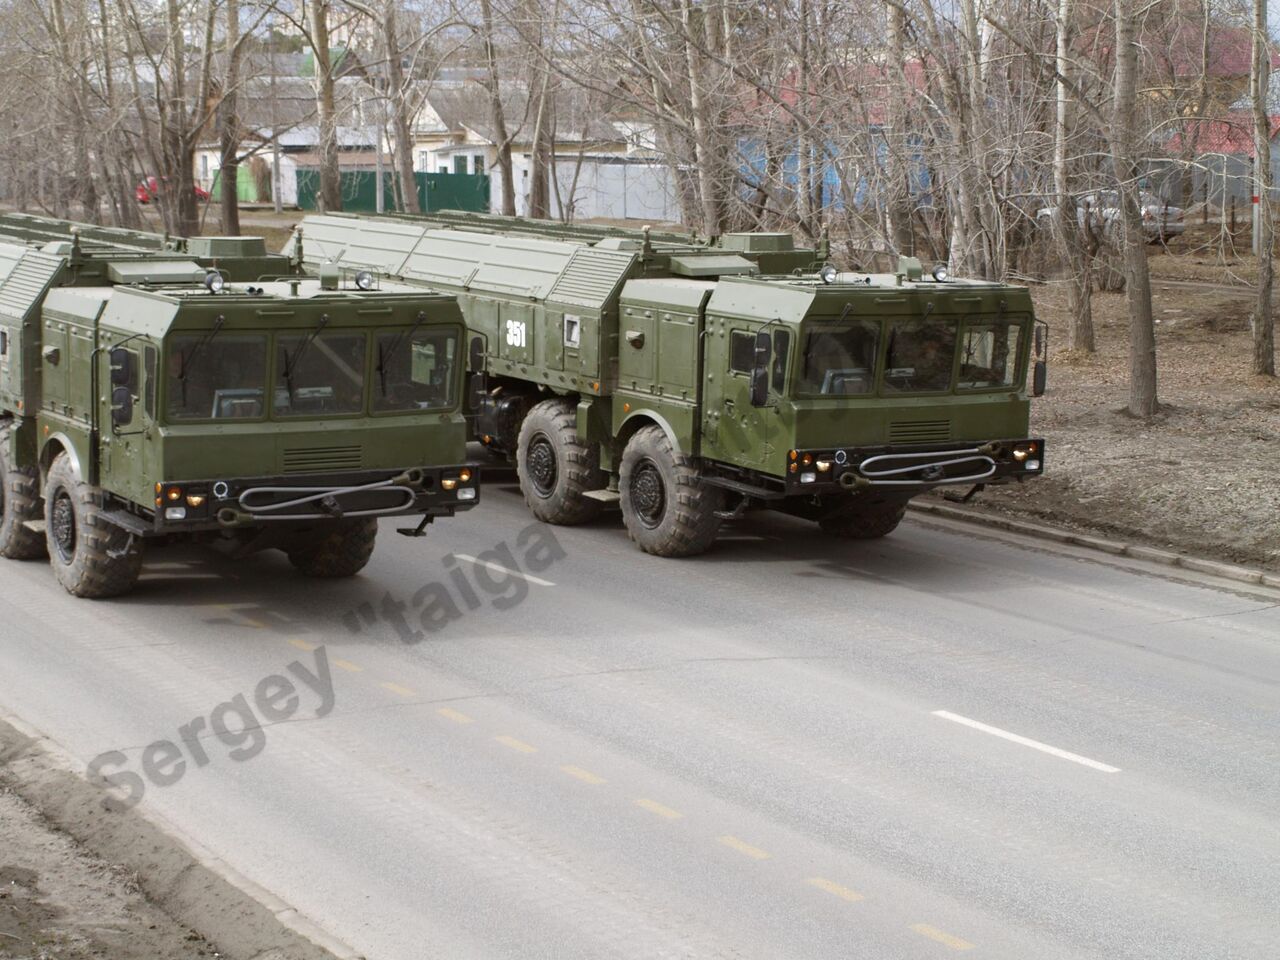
[1233, 135]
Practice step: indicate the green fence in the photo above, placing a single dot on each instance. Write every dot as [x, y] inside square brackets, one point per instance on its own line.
[246, 186]
[436, 191]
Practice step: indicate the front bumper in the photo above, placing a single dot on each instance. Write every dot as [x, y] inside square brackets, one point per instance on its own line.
[909, 469]
[191, 506]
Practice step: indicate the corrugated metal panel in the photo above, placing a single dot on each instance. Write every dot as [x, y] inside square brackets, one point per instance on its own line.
[357, 243]
[26, 283]
[591, 277]
[458, 260]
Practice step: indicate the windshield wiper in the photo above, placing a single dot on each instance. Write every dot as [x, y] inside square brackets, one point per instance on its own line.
[188, 358]
[389, 352]
[291, 363]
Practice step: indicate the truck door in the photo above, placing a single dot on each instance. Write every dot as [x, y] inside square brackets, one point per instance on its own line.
[120, 421]
[733, 430]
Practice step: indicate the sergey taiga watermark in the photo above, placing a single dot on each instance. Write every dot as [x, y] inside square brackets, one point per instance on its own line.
[232, 728]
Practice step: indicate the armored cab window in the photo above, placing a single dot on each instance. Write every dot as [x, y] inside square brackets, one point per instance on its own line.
[215, 378]
[417, 374]
[781, 353]
[919, 356]
[742, 351]
[840, 358]
[150, 359]
[320, 375]
[989, 354]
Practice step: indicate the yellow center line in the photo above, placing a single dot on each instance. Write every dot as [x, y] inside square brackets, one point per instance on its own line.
[654, 807]
[515, 744]
[586, 776]
[844, 893]
[347, 665]
[743, 847]
[454, 715]
[396, 688]
[295, 642]
[946, 939]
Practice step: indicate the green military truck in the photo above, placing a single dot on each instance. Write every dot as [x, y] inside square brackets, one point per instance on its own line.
[691, 395]
[161, 403]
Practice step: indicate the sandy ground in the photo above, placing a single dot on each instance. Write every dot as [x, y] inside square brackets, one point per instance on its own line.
[1203, 477]
[58, 903]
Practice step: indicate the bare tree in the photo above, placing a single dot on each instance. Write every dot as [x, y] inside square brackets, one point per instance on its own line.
[1262, 321]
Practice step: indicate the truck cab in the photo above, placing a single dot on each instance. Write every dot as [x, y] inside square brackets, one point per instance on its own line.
[290, 415]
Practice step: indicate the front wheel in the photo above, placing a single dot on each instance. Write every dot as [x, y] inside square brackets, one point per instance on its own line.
[669, 510]
[19, 503]
[340, 549]
[556, 469]
[90, 556]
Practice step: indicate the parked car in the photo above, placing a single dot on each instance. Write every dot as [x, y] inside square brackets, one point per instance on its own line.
[1160, 220]
[151, 188]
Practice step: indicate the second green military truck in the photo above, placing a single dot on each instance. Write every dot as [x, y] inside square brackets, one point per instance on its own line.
[164, 404]
[691, 389]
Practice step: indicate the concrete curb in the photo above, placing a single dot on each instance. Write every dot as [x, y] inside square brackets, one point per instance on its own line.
[175, 872]
[1214, 568]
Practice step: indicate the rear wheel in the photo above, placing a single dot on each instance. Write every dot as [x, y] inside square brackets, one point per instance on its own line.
[90, 556]
[864, 522]
[669, 510]
[19, 503]
[556, 469]
[340, 549]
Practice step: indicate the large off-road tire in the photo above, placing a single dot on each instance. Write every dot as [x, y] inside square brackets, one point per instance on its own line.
[340, 549]
[868, 522]
[91, 557]
[556, 469]
[19, 502]
[668, 509]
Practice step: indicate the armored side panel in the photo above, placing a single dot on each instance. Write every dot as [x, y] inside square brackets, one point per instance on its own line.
[38, 229]
[548, 310]
[26, 282]
[359, 243]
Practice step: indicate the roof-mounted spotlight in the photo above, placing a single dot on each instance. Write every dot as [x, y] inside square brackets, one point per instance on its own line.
[941, 273]
[214, 281]
[364, 280]
[828, 273]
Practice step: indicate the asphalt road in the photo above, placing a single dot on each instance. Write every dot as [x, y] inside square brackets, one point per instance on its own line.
[789, 748]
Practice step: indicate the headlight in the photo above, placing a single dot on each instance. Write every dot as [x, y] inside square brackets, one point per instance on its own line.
[467, 493]
[175, 513]
[449, 484]
[940, 273]
[364, 280]
[1033, 464]
[213, 281]
[828, 273]
[195, 499]
[809, 477]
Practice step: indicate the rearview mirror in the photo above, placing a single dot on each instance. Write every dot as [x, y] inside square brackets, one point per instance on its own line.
[1039, 377]
[760, 371]
[475, 355]
[123, 369]
[121, 407]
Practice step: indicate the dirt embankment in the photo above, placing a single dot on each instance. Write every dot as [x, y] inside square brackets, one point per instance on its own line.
[57, 901]
[1203, 477]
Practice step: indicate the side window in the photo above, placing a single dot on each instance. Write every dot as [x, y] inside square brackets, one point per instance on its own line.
[149, 360]
[989, 355]
[781, 352]
[742, 351]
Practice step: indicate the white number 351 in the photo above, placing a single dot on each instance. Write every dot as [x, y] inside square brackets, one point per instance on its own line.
[516, 335]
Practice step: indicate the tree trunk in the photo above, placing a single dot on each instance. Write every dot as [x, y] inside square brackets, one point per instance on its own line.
[497, 115]
[330, 173]
[400, 120]
[229, 127]
[1143, 401]
[1263, 322]
[1074, 254]
[898, 206]
[704, 154]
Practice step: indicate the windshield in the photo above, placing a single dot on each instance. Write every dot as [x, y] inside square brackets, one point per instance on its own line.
[989, 354]
[320, 375]
[216, 378]
[919, 356]
[415, 374]
[840, 360]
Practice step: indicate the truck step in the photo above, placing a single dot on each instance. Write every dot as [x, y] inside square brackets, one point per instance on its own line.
[35, 526]
[604, 496]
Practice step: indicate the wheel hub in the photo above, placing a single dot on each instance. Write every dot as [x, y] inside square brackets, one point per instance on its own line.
[648, 494]
[540, 461]
[62, 519]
